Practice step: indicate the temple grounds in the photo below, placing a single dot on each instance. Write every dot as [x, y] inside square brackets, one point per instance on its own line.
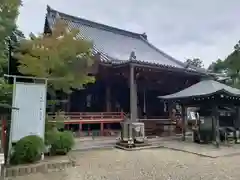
[149, 164]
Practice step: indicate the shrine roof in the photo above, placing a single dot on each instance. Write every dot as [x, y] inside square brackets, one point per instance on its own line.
[115, 45]
[204, 88]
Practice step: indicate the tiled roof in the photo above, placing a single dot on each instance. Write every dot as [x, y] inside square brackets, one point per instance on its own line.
[203, 88]
[115, 45]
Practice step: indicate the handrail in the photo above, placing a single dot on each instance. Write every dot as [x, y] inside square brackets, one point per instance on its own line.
[86, 113]
[73, 116]
[157, 119]
[69, 116]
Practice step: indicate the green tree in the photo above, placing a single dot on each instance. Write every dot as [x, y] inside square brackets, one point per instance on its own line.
[5, 92]
[9, 10]
[218, 67]
[196, 62]
[60, 56]
[229, 67]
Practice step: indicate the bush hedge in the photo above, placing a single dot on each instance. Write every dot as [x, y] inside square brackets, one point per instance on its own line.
[27, 150]
[61, 143]
[50, 137]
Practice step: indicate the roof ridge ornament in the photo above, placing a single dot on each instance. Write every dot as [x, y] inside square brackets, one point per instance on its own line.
[132, 56]
[57, 15]
[144, 35]
[48, 8]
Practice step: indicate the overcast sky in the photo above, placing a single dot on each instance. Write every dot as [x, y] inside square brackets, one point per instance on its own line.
[206, 29]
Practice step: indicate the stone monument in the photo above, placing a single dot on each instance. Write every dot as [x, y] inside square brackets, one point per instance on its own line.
[132, 134]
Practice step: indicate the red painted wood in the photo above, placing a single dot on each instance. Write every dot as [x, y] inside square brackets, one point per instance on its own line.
[92, 122]
[92, 117]
[102, 128]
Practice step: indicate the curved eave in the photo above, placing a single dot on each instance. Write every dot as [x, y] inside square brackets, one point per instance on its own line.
[120, 63]
[219, 92]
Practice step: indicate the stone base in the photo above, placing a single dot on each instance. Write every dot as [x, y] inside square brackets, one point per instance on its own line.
[125, 145]
[41, 167]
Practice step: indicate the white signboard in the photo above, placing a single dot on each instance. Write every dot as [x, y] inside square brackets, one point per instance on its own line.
[192, 115]
[29, 119]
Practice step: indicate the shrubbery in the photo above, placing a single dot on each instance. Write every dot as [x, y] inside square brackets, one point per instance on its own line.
[30, 148]
[57, 143]
[27, 150]
[50, 137]
[61, 143]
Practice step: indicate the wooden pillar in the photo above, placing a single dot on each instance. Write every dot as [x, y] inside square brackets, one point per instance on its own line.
[170, 111]
[133, 95]
[183, 123]
[80, 129]
[68, 104]
[102, 128]
[89, 130]
[108, 98]
[216, 125]
[237, 124]
[172, 126]
[144, 104]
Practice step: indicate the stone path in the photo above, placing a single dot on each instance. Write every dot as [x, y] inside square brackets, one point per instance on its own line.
[167, 142]
[207, 150]
[86, 144]
[83, 144]
[151, 164]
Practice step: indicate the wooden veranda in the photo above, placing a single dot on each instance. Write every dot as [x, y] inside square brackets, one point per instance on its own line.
[154, 126]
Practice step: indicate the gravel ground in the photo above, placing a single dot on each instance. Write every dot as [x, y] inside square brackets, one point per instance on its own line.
[151, 164]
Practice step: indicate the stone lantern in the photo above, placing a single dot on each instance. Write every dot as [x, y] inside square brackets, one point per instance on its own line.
[132, 133]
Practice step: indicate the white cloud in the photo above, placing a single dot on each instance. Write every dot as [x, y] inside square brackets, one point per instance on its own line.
[204, 29]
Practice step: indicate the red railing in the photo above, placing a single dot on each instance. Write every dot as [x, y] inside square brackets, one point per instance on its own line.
[90, 116]
[106, 132]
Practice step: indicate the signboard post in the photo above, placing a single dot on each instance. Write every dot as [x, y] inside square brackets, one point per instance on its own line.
[30, 98]
[29, 119]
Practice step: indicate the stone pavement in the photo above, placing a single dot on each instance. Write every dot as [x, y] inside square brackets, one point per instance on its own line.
[82, 144]
[207, 150]
[89, 143]
[150, 164]
[172, 143]
[84, 139]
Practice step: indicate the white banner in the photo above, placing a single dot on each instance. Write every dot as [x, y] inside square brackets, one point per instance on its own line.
[29, 119]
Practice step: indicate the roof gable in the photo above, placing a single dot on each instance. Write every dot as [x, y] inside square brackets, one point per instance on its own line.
[115, 44]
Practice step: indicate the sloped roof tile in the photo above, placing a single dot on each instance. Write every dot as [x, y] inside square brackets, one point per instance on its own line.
[116, 44]
[203, 88]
